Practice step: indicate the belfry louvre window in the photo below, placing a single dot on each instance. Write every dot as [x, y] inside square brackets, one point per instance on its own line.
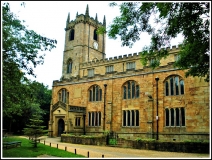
[131, 65]
[130, 90]
[95, 34]
[109, 69]
[174, 85]
[130, 118]
[94, 118]
[71, 35]
[95, 93]
[175, 117]
[63, 96]
[90, 72]
[69, 66]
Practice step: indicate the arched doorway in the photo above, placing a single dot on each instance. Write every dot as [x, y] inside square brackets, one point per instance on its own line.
[60, 127]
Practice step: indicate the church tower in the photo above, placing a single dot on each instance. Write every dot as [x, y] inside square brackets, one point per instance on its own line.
[82, 44]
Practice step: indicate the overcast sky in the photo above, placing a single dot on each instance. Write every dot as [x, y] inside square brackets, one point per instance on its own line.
[48, 18]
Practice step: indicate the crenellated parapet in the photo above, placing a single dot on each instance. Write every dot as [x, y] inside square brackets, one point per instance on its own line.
[121, 58]
[109, 60]
[83, 19]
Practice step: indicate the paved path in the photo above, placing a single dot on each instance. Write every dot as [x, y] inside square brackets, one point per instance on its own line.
[116, 152]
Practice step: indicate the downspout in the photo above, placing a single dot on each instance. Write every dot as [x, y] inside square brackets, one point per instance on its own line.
[103, 48]
[88, 41]
[111, 121]
[157, 79]
[105, 85]
[84, 115]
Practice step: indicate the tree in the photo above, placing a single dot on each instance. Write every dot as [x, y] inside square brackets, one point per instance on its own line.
[42, 96]
[189, 19]
[40, 99]
[35, 128]
[22, 51]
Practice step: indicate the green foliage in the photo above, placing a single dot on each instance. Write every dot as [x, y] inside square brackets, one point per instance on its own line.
[138, 139]
[27, 151]
[22, 50]
[112, 141]
[42, 96]
[68, 135]
[35, 129]
[165, 21]
[106, 132]
[101, 30]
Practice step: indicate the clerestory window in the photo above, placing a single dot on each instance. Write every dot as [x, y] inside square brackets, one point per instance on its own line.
[69, 66]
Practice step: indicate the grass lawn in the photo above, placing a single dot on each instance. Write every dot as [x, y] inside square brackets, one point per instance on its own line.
[26, 150]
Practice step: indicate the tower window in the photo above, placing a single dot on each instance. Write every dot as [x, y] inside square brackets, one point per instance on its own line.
[71, 35]
[69, 66]
[95, 34]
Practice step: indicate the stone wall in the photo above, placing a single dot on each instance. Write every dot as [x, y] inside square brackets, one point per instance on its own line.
[187, 147]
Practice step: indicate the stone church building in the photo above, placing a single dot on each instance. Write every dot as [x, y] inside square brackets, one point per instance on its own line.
[97, 94]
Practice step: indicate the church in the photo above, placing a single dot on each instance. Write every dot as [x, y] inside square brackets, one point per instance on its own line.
[118, 94]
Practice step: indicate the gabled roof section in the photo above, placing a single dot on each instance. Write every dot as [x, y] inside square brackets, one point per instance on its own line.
[57, 105]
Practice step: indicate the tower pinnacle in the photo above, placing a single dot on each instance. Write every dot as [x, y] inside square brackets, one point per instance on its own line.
[96, 19]
[87, 11]
[68, 18]
[104, 21]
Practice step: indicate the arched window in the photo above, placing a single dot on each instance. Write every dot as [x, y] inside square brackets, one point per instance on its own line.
[174, 85]
[95, 93]
[130, 90]
[181, 87]
[71, 35]
[95, 34]
[63, 96]
[69, 66]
